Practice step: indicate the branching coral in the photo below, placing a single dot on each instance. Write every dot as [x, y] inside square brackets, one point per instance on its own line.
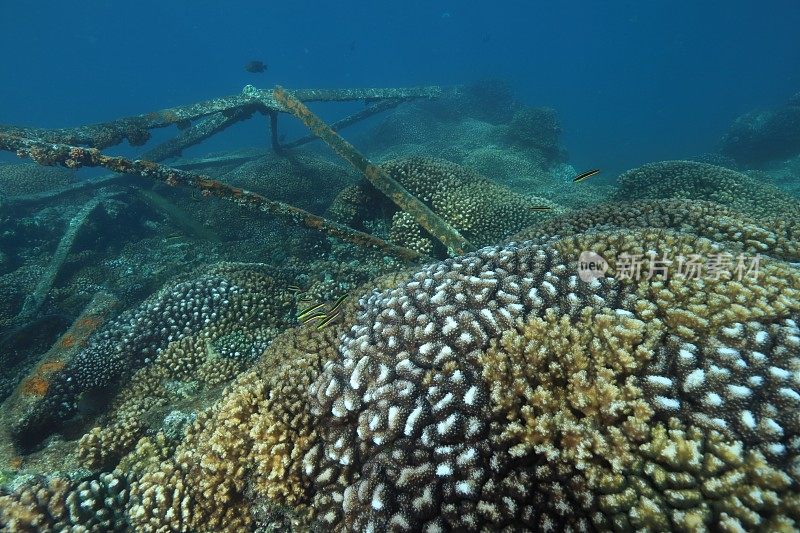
[499, 391]
[249, 447]
[59, 504]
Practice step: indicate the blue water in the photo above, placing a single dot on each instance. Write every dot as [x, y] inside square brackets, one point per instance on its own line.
[632, 81]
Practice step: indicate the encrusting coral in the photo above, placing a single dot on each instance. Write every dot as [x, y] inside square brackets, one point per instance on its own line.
[702, 181]
[725, 225]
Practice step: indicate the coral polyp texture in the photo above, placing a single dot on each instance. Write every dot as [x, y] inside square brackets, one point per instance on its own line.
[701, 181]
[736, 230]
[27, 179]
[497, 390]
[480, 209]
[231, 310]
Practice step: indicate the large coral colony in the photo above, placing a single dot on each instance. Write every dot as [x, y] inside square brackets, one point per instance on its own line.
[496, 390]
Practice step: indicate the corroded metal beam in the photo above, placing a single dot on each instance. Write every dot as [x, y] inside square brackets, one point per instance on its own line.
[196, 133]
[339, 125]
[53, 154]
[136, 128]
[455, 243]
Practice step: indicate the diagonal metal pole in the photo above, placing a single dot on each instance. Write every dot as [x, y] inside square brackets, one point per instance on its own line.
[455, 243]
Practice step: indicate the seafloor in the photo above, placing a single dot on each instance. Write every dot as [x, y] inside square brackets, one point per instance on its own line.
[167, 367]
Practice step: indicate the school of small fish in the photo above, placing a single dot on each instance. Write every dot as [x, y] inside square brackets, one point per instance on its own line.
[318, 310]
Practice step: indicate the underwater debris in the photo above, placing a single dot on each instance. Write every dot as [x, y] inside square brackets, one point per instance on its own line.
[372, 109]
[135, 128]
[76, 157]
[255, 67]
[585, 175]
[455, 243]
[33, 302]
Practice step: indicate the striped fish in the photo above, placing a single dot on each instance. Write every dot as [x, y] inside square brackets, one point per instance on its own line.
[585, 175]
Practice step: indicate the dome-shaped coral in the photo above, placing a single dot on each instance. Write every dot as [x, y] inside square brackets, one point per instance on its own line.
[498, 390]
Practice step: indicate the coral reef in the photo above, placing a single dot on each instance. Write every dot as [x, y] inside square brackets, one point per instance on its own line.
[537, 128]
[701, 181]
[96, 504]
[760, 137]
[498, 391]
[249, 447]
[222, 300]
[478, 208]
[716, 222]
[26, 179]
[294, 179]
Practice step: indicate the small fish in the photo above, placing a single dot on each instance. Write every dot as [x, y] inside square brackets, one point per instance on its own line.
[307, 319]
[293, 288]
[305, 299]
[255, 67]
[330, 319]
[541, 208]
[338, 303]
[585, 175]
[310, 310]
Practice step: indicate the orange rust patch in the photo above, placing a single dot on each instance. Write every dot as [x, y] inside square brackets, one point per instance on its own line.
[68, 340]
[49, 367]
[35, 386]
[89, 322]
